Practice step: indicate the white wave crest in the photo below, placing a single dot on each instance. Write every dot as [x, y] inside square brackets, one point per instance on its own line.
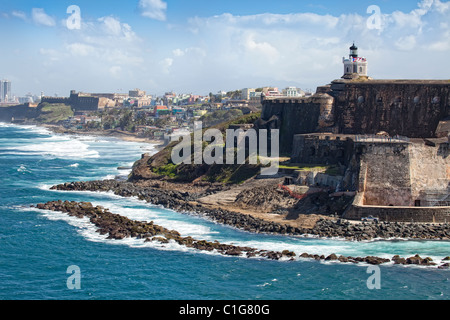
[61, 149]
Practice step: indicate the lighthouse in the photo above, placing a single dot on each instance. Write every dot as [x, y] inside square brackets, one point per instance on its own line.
[354, 66]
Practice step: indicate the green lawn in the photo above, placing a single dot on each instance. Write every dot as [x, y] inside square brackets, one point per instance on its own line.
[52, 113]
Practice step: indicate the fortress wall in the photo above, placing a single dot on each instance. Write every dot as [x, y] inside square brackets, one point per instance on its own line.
[385, 175]
[399, 174]
[17, 112]
[409, 108]
[321, 149]
[430, 172]
[400, 214]
[296, 116]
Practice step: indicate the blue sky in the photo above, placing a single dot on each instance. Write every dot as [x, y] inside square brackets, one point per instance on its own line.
[205, 46]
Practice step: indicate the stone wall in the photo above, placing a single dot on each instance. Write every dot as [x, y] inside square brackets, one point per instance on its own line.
[322, 149]
[404, 174]
[411, 108]
[400, 214]
[17, 112]
[430, 173]
[297, 116]
[77, 101]
[385, 174]
[403, 182]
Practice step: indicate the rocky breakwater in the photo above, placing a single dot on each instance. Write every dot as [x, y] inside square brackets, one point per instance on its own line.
[118, 227]
[325, 228]
[183, 202]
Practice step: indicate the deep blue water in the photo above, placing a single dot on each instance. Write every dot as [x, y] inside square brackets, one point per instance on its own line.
[37, 247]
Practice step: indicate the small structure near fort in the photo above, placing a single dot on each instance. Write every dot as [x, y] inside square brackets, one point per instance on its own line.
[389, 137]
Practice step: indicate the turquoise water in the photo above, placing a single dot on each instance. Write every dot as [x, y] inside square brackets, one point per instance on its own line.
[37, 247]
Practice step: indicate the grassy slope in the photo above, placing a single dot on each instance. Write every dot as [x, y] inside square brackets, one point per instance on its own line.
[52, 113]
[161, 166]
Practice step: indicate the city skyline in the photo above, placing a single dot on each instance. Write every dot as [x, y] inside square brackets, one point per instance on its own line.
[202, 47]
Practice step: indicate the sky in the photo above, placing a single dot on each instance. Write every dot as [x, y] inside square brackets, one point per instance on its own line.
[199, 46]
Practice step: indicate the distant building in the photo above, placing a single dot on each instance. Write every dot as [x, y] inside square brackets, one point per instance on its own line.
[5, 91]
[293, 92]
[272, 92]
[136, 93]
[159, 111]
[246, 93]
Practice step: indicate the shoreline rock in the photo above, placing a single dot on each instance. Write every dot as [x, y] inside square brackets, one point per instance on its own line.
[118, 227]
[324, 228]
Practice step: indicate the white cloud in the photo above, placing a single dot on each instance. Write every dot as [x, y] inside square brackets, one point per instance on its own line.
[165, 65]
[105, 54]
[308, 48]
[153, 9]
[115, 71]
[80, 49]
[41, 18]
[178, 52]
[112, 28]
[263, 49]
[230, 51]
[406, 43]
[19, 14]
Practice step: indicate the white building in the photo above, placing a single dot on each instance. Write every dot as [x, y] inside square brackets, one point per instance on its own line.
[246, 93]
[293, 92]
[354, 66]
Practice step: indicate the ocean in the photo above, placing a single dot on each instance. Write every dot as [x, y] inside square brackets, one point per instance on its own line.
[37, 247]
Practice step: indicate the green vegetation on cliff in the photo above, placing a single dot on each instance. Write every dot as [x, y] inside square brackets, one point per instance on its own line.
[52, 113]
[160, 165]
[220, 116]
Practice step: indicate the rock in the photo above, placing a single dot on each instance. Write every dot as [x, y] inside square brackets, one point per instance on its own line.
[375, 260]
[398, 260]
[160, 239]
[331, 257]
[288, 253]
[233, 252]
[427, 261]
[414, 260]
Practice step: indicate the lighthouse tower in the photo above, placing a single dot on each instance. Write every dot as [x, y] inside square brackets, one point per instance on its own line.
[354, 66]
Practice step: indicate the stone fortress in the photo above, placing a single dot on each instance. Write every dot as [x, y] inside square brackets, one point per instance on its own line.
[390, 138]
